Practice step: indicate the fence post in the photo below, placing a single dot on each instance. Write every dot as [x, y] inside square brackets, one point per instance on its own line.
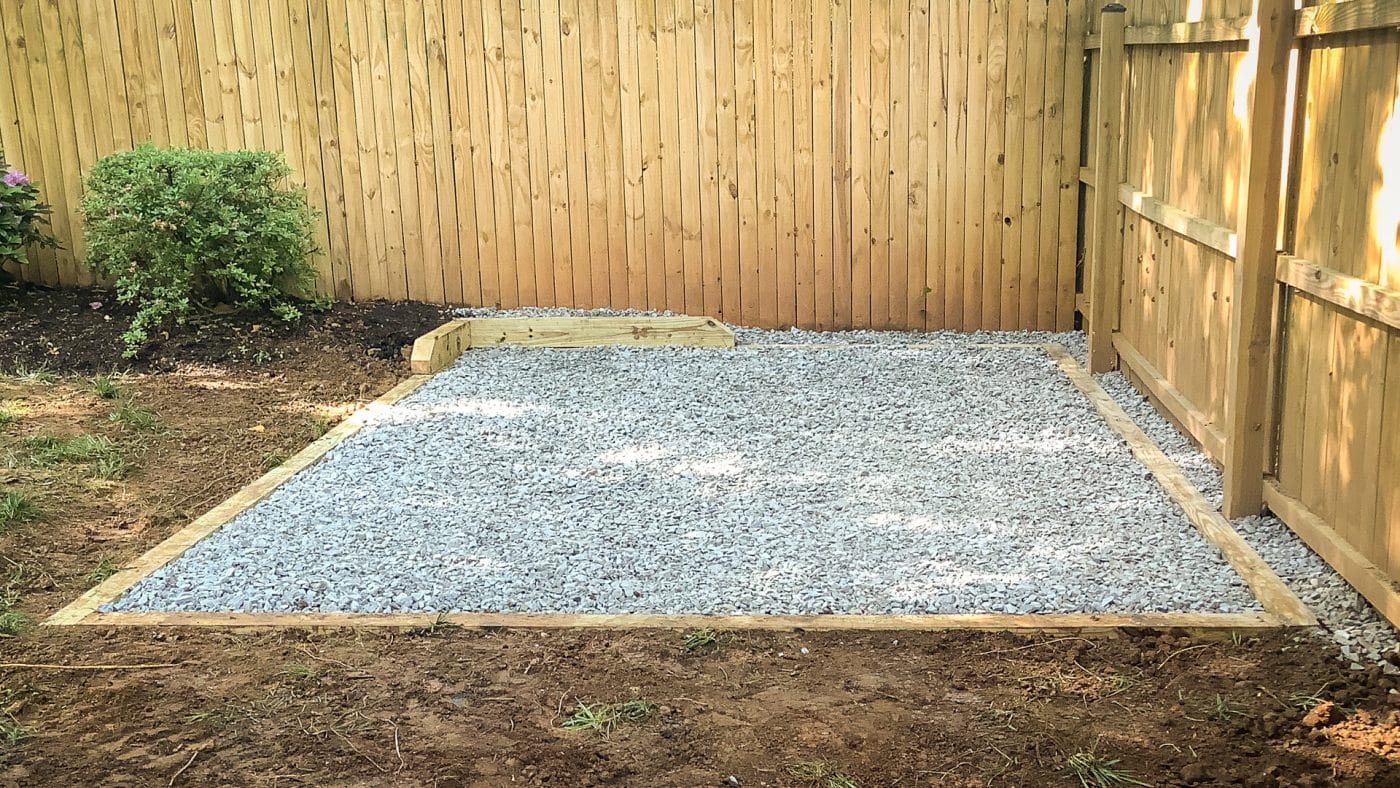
[1251, 319]
[1105, 277]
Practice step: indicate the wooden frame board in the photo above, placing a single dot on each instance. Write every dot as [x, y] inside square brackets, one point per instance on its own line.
[1281, 607]
[438, 348]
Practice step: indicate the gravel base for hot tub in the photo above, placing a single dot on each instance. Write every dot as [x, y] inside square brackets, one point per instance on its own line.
[881, 480]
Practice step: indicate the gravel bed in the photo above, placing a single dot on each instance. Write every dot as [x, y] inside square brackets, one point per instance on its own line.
[778, 480]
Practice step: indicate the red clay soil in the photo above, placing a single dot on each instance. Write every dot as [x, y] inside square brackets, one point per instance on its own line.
[447, 706]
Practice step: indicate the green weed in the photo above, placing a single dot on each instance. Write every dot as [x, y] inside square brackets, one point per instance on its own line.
[1095, 771]
[701, 640]
[11, 732]
[299, 671]
[105, 568]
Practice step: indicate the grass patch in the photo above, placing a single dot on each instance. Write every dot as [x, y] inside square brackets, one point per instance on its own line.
[10, 411]
[105, 568]
[822, 773]
[46, 451]
[12, 622]
[105, 387]
[97, 451]
[132, 416]
[1096, 771]
[603, 718]
[273, 459]
[40, 375]
[15, 509]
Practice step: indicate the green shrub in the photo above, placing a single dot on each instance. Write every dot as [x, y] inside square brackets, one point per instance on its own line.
[22, 216]
[179, 229]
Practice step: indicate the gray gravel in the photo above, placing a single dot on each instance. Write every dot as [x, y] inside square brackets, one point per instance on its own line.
[879, 479]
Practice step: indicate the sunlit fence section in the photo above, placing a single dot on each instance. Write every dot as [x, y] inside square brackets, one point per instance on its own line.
[823, 163]
[1248, 263]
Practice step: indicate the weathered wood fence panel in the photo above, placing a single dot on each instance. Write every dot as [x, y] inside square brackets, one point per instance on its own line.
[824, 163]
[1316, 432]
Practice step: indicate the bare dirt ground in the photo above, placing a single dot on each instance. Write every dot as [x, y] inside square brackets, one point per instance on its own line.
[206, 411]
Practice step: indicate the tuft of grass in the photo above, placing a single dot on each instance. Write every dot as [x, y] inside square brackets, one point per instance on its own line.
[105, 387]
[299, 671]
[217, 716]
[105, 568]
[15, 509]
[40, 375]
[603, 718]
[10, 410]
[132, 416]
[46, 451]
[11, 732]
[1096, 771]
[319, 427]
[440, 624]
[273, 459]
[821, 773]
[701, 640]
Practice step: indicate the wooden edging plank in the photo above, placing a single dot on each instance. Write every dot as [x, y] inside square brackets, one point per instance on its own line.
[575, 332]
[1351, 293]
[158, 556]
[1197, 423]
[437, 349]
[1203, 231]
[924, 622]
[1364, 576]
[1266, 585]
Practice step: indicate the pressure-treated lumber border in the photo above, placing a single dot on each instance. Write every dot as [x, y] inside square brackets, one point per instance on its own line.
[1271, 592]
[1281, 607]
[577, 332]
[437, 349]
[86, 605]
[1357, 569]
[1078, 623]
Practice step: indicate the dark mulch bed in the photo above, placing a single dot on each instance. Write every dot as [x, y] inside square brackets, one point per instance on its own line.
[78, 331]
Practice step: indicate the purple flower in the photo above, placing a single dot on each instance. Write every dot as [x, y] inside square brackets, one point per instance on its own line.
[15, 178]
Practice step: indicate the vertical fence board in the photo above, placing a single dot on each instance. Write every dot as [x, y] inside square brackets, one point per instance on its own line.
[774, 162]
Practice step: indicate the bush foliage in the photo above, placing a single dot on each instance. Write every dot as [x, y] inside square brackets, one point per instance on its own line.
[179, 229]
[22, 215]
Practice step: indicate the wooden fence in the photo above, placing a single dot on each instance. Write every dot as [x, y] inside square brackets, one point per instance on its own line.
[824, 163]
[1218, 140]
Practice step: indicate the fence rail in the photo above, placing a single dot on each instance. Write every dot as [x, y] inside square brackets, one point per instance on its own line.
[823, 163]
